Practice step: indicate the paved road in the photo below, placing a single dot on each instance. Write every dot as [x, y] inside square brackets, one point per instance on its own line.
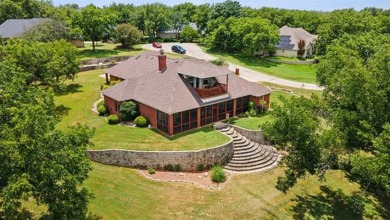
[194, 50]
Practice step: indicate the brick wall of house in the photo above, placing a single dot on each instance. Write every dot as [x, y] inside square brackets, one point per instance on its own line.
[112, 105]
[148, 112]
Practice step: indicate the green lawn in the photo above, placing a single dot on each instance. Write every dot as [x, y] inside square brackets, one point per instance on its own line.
[122, 193]
[300, 73]
[75, 106]
[254, 123]
[107, 50]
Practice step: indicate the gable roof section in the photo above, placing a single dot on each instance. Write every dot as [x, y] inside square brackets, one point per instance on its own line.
[14, 28]
[168, 91]
[201, 69]
[289, 38]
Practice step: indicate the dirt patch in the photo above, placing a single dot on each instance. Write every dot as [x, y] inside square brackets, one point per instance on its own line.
[201, 179]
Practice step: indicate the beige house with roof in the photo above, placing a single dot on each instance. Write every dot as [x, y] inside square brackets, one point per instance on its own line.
[177, 95]
[289, 38]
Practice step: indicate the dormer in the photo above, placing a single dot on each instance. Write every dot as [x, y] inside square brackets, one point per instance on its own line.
[210, 82]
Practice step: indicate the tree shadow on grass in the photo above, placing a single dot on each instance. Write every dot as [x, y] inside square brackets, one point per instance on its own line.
[62, 110]
[330, 203]
[69, 89]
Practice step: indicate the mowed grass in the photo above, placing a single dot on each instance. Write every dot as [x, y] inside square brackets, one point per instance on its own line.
[75, 106]
[122, 193]
[254, 123]
[107, 50]
[300, 73]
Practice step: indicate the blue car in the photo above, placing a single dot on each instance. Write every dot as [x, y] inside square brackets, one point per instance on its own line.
[178, 49]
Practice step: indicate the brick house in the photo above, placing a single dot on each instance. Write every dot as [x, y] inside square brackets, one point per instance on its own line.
[177, 95]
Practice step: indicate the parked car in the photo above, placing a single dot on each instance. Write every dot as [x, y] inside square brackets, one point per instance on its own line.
[156, 45]
[178, 49]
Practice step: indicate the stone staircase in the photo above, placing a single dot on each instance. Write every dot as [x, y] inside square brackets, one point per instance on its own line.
[249, 156]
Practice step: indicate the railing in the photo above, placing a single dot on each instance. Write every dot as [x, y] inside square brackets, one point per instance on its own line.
[217, 89]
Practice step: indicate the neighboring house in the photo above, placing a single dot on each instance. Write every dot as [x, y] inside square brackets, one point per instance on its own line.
[172, 33]
[177, 95]
[289, 38]
[15, 28]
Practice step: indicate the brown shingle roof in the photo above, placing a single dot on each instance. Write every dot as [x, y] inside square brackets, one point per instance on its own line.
[289, 38]
[169, 91]
[200, 69]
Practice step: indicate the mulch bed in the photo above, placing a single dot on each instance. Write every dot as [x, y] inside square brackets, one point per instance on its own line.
[201, 179]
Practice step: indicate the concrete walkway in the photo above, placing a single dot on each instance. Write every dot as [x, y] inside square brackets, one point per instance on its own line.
[194, 50]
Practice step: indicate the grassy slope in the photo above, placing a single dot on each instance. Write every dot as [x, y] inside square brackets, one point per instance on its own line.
[122, 193]
[76, 106]
[300, 73]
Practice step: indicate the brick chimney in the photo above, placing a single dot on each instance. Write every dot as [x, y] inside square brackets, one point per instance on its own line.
[237, 71]
[162, 61]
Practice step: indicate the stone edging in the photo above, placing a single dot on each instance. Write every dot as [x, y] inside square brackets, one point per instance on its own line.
[188, 160]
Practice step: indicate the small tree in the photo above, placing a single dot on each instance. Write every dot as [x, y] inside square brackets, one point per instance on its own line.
[189, 33]
[127, 35]
[50, 30]
[301, 47]
[128, 110]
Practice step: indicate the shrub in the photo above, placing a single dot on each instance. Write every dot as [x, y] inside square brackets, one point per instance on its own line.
[141, 121]
[112, 83]
[177, 168]
[100, 103]
[219, 62]
[168, 167]
[113, 119]
[189, 34]
[151, 170]
[102, 109]
[251, 106]
[104, 86]
[218, 175]
[200, 167]
[128, 110]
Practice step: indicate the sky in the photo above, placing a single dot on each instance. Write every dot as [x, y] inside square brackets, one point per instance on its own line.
[319, 5]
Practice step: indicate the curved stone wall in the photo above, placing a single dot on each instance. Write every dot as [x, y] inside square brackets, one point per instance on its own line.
[253, 135]
[188, 160]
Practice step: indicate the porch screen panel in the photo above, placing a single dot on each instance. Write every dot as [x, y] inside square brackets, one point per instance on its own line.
[162, 121]
[229, 106]
[193, 119]
[222, 111]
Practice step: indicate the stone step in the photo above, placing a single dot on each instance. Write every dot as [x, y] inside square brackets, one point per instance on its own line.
[271, 163]
[244, 147]
[240, 141]
[257, 151]
[262, 167]
[237, 138]
[253, 162]
[261, 152]
[242, 144]
[245, 151]
[251, 159]
[230, 131]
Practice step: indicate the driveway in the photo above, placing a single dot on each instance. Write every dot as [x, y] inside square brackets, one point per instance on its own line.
[194, 50]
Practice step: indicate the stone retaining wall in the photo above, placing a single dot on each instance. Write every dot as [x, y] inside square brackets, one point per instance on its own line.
[253, 135]
[188, 160]
[96, 66]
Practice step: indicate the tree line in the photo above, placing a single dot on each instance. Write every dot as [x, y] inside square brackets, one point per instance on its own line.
[95, 23]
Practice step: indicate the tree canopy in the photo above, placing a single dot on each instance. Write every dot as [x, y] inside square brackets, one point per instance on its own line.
[45, 63]
[39, 161]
